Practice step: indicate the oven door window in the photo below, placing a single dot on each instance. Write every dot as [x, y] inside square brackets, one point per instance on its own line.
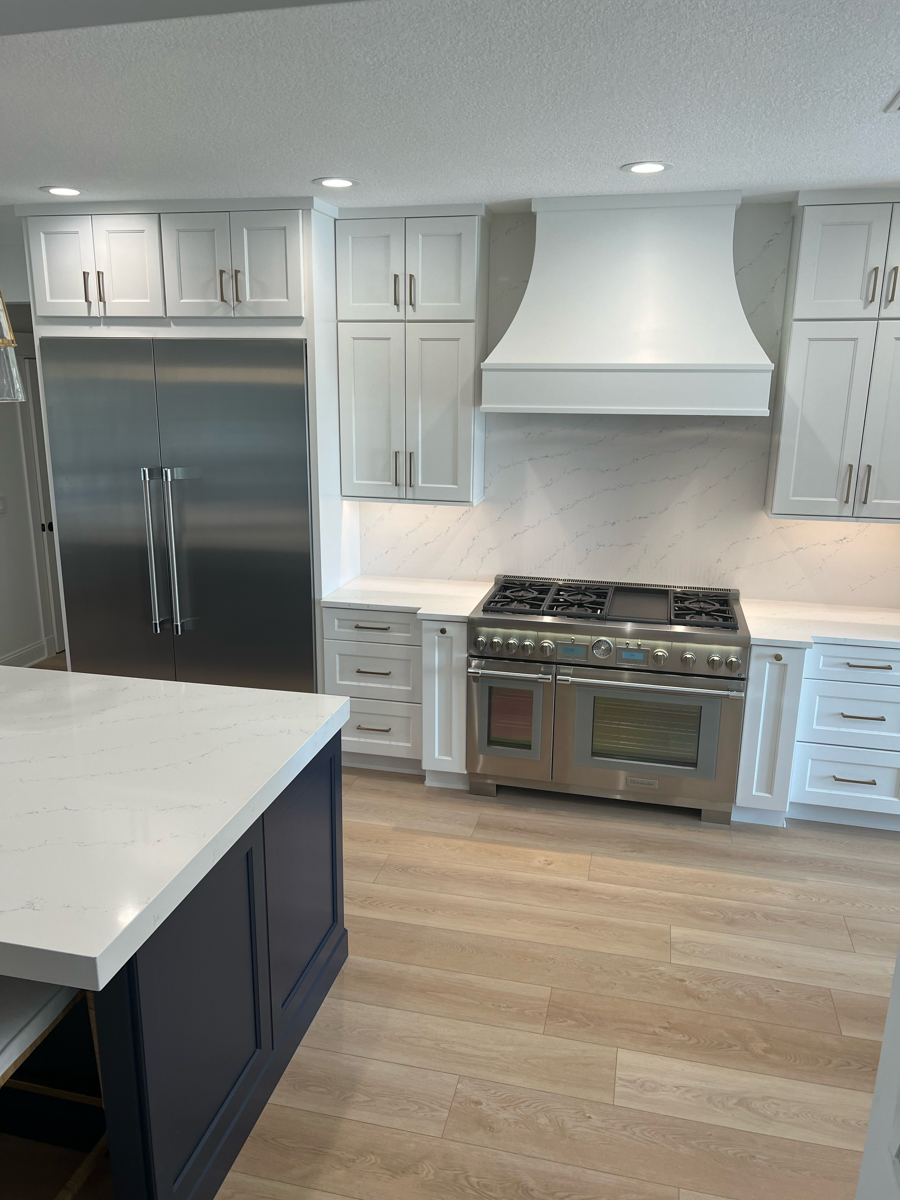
[642, 731]
[510, 718]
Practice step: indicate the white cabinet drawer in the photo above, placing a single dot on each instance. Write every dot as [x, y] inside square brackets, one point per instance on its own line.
[844, 777]
[856, 664]
[373, 672]
[368, 625]
[384, 727]
[849, 714]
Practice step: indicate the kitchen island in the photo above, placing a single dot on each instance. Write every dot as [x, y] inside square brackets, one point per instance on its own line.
[175, 849]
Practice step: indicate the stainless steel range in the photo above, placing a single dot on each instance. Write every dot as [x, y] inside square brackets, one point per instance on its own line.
[608, 689]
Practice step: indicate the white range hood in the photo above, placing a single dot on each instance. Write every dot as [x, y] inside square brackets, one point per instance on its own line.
[631, 307]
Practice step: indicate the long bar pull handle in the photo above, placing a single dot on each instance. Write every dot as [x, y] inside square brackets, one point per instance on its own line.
[874, 296]
[237, 294]
[892, 294]
[168, 475]
[854, 717]
[849, 482]
[373, 729]
[521, 676]
[222, 274]
[101, 290]
[151, 550]
[868, 482]
[360, 671]
[412, 291]
[649, 687]
[412, 480]
[870, 666]
[379, 628]
[396, 468]
[397, 292]
[867, 782]
[86, 281]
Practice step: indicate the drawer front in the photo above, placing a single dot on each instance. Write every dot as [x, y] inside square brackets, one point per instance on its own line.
[849, 714]
[384, 727]
[373, 672]
[856, 664]
[366, 625]
[844, 777]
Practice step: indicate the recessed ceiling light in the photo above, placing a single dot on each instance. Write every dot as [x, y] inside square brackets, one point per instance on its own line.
[55, 190]
[333, 181]
[645, 168]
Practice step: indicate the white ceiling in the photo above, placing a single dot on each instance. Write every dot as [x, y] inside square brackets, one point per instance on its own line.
[429, 101]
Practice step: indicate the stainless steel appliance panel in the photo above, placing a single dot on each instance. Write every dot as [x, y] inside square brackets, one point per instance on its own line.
[234, 440]
[510, 719]
[103, 431]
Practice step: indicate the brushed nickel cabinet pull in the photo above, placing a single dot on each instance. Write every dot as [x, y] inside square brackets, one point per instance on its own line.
[85, 277]
[397, 292]
[360, 671]
[412, 482]
[892, 295]
[373, 729]
[849, 482]
[381, 628]
[867, 782]
[874, 294]
[868, 481]
[412, 291]
[396, 468]
[222, 274]
[237, 295]
[854, 717]
[101, 291]
[870, 666]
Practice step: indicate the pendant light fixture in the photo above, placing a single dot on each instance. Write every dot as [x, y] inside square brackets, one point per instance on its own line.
[10, 381]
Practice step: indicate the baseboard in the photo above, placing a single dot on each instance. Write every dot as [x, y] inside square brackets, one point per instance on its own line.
[757, 816]
[843, 816]
[29, 655]
[447, 779]
[381, 762]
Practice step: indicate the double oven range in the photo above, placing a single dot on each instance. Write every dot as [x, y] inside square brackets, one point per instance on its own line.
[608, 689]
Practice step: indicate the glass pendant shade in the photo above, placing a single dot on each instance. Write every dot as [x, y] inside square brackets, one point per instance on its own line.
[10, 379]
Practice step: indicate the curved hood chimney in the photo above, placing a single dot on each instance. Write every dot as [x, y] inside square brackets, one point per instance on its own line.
[631, 307]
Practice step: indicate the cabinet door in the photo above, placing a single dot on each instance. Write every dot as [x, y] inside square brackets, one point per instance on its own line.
[372, 405]
[197, 264]
[878, 488]
[771, 706]
[440, 411]
[129, 265]
[370, 271]
[62, 266]
[841, 264]
[890, 297]
[444, 680]
[442, 266]
[267, 264]
[825, 389]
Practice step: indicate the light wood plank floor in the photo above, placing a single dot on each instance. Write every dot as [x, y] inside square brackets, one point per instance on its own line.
[555, 999]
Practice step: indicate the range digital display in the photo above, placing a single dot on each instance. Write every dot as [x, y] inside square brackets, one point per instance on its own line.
[633, 655]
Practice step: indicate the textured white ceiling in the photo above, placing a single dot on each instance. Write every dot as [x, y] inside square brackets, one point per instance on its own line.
[428, 101]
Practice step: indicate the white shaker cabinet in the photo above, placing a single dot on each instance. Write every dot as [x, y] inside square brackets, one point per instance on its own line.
[129, 265]
[267, 263]
[444, 662]
[197, 264]
[442, 268]
[890, 296]
[372, 407]
[878, 486]
[841, 264]
[771, 707]
[370, 264]
[62, 266]
[440, 411]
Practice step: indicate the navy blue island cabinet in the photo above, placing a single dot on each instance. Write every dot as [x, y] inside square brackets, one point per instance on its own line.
[196, 1029]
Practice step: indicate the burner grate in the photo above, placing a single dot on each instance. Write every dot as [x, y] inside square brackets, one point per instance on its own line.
[578, 600]
[710, 609]
[518, 596]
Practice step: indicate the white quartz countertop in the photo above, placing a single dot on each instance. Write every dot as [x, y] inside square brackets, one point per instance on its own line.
[794, 623]
[432, 599]
[118, 795]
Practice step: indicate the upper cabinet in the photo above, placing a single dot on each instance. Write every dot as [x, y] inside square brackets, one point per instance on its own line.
[842, 261]
[890, 296]
[878, 487]
[412, 268]
[218, 264]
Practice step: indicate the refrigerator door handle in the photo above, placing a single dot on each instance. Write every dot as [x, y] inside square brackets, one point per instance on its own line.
[168, 475]
[146, 475]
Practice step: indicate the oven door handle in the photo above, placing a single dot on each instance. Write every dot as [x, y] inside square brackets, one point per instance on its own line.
[520, 675]
[649, 687]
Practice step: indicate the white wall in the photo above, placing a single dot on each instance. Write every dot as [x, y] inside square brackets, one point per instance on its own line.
[13, 273]
[650, 499]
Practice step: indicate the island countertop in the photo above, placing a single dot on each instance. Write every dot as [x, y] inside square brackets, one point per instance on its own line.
[118, 797]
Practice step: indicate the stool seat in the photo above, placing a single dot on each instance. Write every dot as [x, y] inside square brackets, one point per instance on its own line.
[28, 1011]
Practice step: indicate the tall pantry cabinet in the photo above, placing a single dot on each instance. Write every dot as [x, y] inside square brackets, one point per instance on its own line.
[836, 443]
[411, 298]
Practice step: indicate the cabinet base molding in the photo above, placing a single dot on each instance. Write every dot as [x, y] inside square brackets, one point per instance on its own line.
[447, 779]
[844, 816]
[757, 816]
[381, 762]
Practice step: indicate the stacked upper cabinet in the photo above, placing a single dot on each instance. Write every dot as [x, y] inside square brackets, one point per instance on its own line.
[411, 310]
[237, 264]
[836, 447]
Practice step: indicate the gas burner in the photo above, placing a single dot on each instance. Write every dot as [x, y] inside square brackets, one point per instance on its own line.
[577, 600]
[517, 596]
[692, 608]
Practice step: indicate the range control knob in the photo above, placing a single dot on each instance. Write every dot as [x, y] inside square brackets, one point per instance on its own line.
[497, 644]
[659, 656]
[546, 648]
[688, 659]
[528, 646]
[602, 648]
[733, 663]
[714, 662]
[512, 645]
[480, 643]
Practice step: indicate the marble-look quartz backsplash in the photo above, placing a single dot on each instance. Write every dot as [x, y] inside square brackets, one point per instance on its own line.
[648, 499]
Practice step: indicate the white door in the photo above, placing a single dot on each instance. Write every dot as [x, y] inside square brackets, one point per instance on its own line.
[878, 489]
[197, 264]
[444, 685]
[267, 264]
[442, 268]
[372, 405]
[370, 271]
[129, 265]
[825, 390]
[440, 410]
[62, 266]
[841, 265]
[890, 297]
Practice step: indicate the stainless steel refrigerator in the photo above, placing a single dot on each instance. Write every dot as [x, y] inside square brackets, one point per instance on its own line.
[181, 475]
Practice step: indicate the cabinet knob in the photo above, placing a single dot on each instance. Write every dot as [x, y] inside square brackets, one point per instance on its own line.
[443, 631]
[779, 657]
